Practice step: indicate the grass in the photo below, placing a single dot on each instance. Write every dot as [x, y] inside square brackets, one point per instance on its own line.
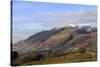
[73, 57]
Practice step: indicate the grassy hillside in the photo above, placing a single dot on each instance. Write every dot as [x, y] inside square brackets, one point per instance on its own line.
[73, 57]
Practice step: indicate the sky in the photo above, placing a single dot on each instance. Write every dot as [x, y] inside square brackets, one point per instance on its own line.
[29, 18]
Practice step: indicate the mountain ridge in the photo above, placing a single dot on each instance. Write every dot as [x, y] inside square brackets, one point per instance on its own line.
[54, 37]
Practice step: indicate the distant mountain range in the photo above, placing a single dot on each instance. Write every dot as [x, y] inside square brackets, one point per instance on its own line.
[58, 38]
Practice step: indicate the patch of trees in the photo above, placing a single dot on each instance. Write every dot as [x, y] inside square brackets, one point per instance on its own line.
[38, 56]
[15, 55]
[26, 58]
[82, 50]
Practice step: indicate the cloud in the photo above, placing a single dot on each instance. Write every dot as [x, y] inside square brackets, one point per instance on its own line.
[81, 17]
[65, 17]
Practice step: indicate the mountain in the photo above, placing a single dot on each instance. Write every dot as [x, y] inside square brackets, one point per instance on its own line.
[58, 41]
[57, 38]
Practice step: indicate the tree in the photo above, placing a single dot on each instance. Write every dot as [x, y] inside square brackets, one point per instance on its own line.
[38, 56]
[82, 50]
[15, 55]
